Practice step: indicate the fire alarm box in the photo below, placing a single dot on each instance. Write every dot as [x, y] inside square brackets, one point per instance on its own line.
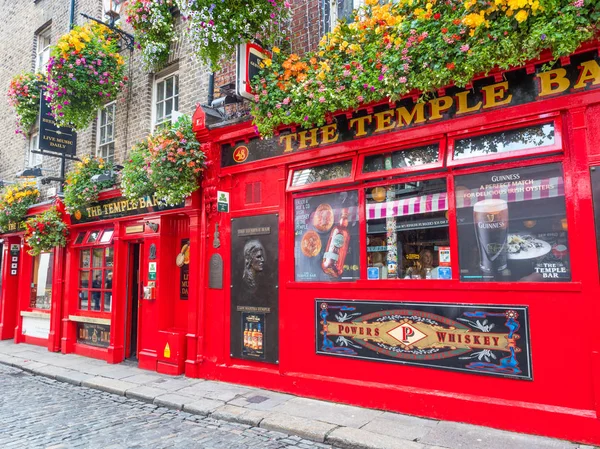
[150, 291]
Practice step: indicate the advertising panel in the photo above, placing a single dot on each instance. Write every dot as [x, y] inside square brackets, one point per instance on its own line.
[93, 334]
[481, 339]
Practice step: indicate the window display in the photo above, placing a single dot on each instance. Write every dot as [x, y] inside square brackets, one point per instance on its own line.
[407, 231]
[326, 237]
[95, 281]
[512, 225]
[41, 281]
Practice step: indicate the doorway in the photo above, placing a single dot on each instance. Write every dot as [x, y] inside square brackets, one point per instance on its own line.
[133, 295]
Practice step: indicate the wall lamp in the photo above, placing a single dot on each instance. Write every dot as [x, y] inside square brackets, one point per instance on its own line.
[108, 175]
[29, 172]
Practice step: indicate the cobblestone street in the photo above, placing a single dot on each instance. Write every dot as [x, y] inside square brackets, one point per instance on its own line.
[37, 412]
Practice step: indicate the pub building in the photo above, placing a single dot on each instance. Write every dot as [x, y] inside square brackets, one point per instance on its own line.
[30, 309]
[434, 258]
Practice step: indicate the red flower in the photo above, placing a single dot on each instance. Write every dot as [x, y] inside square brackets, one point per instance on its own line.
[456, 21]
[450, 66]
[437, 16]
[444, 30]
[41, 227]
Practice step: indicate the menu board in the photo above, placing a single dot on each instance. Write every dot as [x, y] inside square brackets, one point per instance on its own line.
[512, 225]
[326, 237]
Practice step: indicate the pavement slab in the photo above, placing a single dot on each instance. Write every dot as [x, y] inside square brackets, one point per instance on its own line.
[114, 386]
[305, 428]
[239, 415]
[220, 391]
[261, 400]
[350, 438]
[402, 427]
[203, 407]
[173, 400]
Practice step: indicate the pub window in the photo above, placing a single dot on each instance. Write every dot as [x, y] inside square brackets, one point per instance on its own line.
[41, 281]
[166, 98]
[326, 237]
[512, 225]
[92, 237]
[418, 157]
[43, 49]
[95, 279]
[407, 231]
[322, 174]
[508, 141]
[79, 239]
[106, 132]
[34, 159]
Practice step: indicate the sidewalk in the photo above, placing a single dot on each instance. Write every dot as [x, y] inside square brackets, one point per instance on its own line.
[325, 422]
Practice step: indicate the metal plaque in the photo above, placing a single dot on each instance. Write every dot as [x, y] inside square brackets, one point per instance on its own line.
[471, 338]
[254, 287]
[215, 275]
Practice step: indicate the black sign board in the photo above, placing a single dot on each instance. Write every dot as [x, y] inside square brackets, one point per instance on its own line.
[516, 87]
[120, 207]
[52, 138]
[93, 334]
[482, 339]
[254, 287]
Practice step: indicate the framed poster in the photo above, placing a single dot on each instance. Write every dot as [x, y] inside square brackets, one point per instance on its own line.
[254, 288]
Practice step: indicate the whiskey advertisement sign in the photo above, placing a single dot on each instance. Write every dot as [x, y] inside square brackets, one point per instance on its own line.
[254, 288]
[486, 339]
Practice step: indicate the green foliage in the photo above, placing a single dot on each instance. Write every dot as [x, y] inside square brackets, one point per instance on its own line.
[45, 232]
[135, 182]
[79, 188]
[15, 200]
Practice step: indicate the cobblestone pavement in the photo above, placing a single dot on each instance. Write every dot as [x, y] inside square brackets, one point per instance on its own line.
[37, 412]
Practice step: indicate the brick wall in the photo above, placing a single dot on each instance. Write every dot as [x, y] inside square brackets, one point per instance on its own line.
[24, 18]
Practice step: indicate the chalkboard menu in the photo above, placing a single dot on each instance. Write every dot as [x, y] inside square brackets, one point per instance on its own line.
[326, 237]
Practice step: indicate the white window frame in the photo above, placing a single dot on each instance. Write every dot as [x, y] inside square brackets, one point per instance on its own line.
[42, 54]
[157, 82]
[99, 144]
[34, 159]
[333, 10]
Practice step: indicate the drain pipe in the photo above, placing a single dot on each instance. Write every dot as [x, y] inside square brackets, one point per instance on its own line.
[72, 15]
[211, 88]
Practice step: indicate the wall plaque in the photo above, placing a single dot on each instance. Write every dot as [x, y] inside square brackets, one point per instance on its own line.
[93, 334]
[471, 338]
[215, 275]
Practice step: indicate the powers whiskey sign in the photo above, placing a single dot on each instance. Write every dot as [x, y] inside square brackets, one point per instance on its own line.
[470, 338]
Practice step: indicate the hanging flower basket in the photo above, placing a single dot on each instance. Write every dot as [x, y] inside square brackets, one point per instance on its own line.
[154, 29]
[85, 71]
[45, 232]
[392, 49]
[80, 190]
[15, 200]
[169, 164]
[216, 27]
[24, 95]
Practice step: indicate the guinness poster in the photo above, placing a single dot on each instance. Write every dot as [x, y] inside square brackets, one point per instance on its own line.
[482, 339]
[254, 288]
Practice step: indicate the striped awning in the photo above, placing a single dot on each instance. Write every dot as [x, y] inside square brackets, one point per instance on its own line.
[408, 206]
[531, 190]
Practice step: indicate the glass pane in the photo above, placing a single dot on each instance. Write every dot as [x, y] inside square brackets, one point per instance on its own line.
[84, 279]
[344, 10]
[96, 284]
[109, 132]
[168, 107]
[326, 237]
[83, 299]
[92, 237]
[512, 225]
[407, 231]
[176, 78]
[107, 236]
[160, 111]
[107, 301]
[176, 104]
[109, 256]
[102, 135]
[322, 173]
[108, 280]
[505, 141]
[85, 258]
[41, 282]
[98, 259]
[80, 238]
[160, 92]
[169, 88]
[411, 157]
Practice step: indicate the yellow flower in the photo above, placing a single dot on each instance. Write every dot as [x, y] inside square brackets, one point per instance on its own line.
[276, 50]
[267, 62]
[522, 16]
[64, 46]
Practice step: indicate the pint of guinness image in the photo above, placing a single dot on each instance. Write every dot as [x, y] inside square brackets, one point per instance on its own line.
[491, 228]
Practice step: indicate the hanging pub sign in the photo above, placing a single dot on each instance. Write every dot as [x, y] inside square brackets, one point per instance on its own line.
[249, 57]
[481, 339]
[517, 87]
[120, 207]
[52, 138]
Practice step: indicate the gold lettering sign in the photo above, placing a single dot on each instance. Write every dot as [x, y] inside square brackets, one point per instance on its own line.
[134, 229]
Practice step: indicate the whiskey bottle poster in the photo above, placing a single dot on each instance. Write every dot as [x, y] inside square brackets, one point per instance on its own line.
[254, 287]
[253, 325]
[326, 237]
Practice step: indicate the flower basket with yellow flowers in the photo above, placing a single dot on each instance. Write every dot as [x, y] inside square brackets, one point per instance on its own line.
[46, 231]
[80, 190]
[85, 71]
[14, 202]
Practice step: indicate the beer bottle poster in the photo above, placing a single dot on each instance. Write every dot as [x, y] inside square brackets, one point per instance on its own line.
[512, 225]
[255, 287]
[326, 237]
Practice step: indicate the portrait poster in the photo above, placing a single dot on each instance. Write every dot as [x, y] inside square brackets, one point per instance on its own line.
[183, 262]
[254, 285]
[512, 225]
[326, 240]
[469, 338]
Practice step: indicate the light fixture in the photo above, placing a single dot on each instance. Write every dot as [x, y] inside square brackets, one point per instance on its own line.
[106, 176]
[29, 172]
[112, 9]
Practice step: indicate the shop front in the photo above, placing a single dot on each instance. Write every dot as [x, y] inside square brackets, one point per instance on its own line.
[433, 258]
[30, 289]
[127, 291]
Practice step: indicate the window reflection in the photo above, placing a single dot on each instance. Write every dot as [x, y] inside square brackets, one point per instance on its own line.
[41, 282]
[411, 157]
[322, 173]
